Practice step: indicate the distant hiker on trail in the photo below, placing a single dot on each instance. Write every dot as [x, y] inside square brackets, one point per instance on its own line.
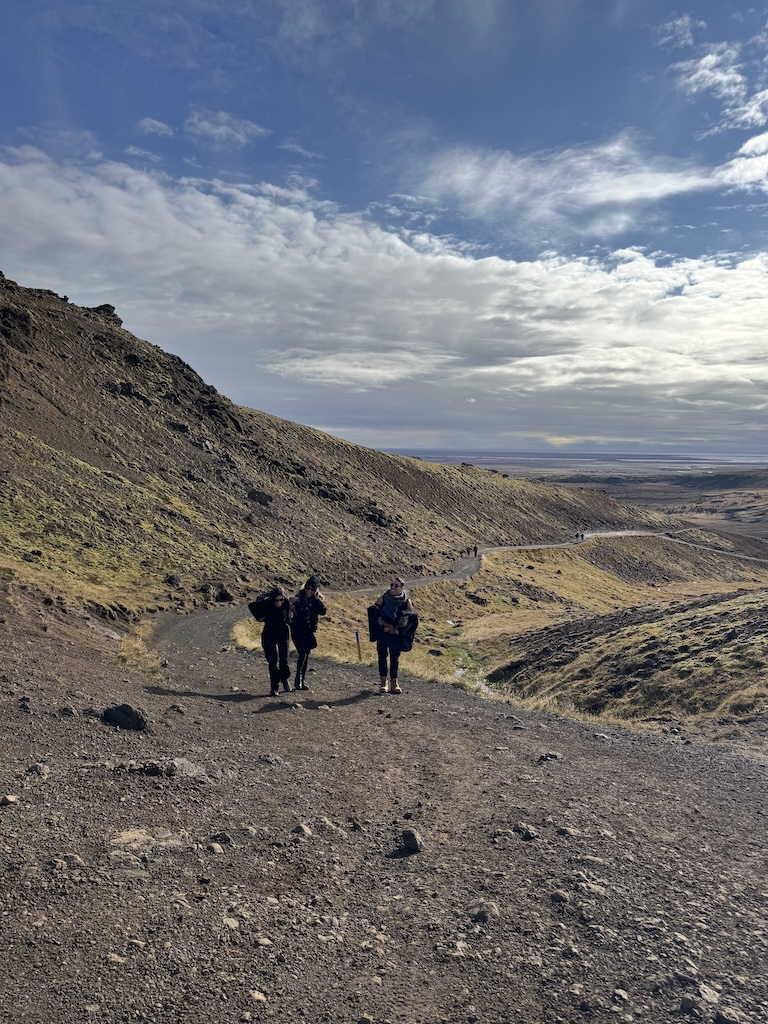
[274, 610]
[392, 625]
[475, 550]
[306, 607]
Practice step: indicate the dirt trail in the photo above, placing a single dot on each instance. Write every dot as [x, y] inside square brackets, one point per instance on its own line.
[243, 858]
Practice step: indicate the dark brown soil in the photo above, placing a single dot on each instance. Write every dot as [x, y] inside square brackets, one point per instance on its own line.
[243, 858]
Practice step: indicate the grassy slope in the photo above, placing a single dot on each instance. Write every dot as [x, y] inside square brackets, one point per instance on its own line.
[626, 627]
[121, 469]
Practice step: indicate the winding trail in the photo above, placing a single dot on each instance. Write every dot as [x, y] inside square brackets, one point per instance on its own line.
[464, 567]
[467, 565]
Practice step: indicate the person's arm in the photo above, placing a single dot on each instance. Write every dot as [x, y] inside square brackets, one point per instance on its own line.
[319, 604]
[379, 602]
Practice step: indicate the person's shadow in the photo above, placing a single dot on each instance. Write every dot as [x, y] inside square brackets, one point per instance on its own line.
[277, 703]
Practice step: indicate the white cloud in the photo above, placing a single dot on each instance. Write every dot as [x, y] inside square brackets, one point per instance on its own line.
[222, 128]
[678, 32]
[733, 73]
[294, 306]
[149, 126]
[295, 147]
[142, 154]
[756, 146]
[717, 71]
[597, 190]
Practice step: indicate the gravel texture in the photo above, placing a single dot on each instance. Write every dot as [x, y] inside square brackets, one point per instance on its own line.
[349, 857]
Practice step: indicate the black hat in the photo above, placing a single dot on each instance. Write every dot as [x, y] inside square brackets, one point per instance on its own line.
[312, 583]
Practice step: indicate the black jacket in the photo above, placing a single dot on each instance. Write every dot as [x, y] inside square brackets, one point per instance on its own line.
[275, 619]
[305, 613]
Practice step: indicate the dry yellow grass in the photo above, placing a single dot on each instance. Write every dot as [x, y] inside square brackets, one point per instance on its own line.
[469, 627]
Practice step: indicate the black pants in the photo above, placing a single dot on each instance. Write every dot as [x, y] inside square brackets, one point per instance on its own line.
[275, 647]
[301, 663]
[304, 642]
[391, 648]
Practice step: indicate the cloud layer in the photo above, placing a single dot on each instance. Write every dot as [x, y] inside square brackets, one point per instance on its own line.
[411, 222]
[283, 301]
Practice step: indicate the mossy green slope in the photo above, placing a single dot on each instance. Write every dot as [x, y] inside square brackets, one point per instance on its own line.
[121, 468]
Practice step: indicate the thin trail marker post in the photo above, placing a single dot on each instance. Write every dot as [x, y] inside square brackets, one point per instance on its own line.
[357, 641]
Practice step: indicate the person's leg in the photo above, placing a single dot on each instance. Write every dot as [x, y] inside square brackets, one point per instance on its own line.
[270, 653]
[394, 664]
[284, 668]
[301, 666]
[382, 648]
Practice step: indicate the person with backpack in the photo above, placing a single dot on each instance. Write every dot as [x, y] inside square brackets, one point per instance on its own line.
[392, 623]
[274, 610]
[306, 607]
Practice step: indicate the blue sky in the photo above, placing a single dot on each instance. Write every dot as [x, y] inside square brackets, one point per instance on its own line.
[437, 223]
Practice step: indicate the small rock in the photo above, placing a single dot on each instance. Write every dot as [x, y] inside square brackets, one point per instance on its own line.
[412, 841]
[689, 1005]
[525, 831]
[302, 830]
[708, 994]
[123, 716]
[9, 800]
[729, 1015]
[483, 910]
[560, 896]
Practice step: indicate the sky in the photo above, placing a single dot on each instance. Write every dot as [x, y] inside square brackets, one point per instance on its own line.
[528, 225]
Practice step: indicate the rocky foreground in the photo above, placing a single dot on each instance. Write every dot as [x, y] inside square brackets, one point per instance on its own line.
[348, 857]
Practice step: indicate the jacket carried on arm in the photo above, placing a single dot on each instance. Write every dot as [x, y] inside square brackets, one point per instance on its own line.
[393, 621]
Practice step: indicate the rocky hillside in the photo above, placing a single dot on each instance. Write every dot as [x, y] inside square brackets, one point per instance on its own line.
[132, 484]
[178, 847]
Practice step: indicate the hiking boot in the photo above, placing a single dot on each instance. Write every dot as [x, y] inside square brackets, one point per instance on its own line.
[383, 685]
[395, 687]
[274, 692]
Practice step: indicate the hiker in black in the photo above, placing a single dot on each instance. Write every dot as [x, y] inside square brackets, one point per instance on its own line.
[274, 610]
[393, 605]
[306, 607]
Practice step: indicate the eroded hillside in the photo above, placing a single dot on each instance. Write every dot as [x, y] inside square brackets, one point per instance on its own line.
[132, 483]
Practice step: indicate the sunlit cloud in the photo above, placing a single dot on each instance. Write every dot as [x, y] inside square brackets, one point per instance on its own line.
[595, 190]
[718, 71]
[221, 128]
[733, 74]
[313, 300]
